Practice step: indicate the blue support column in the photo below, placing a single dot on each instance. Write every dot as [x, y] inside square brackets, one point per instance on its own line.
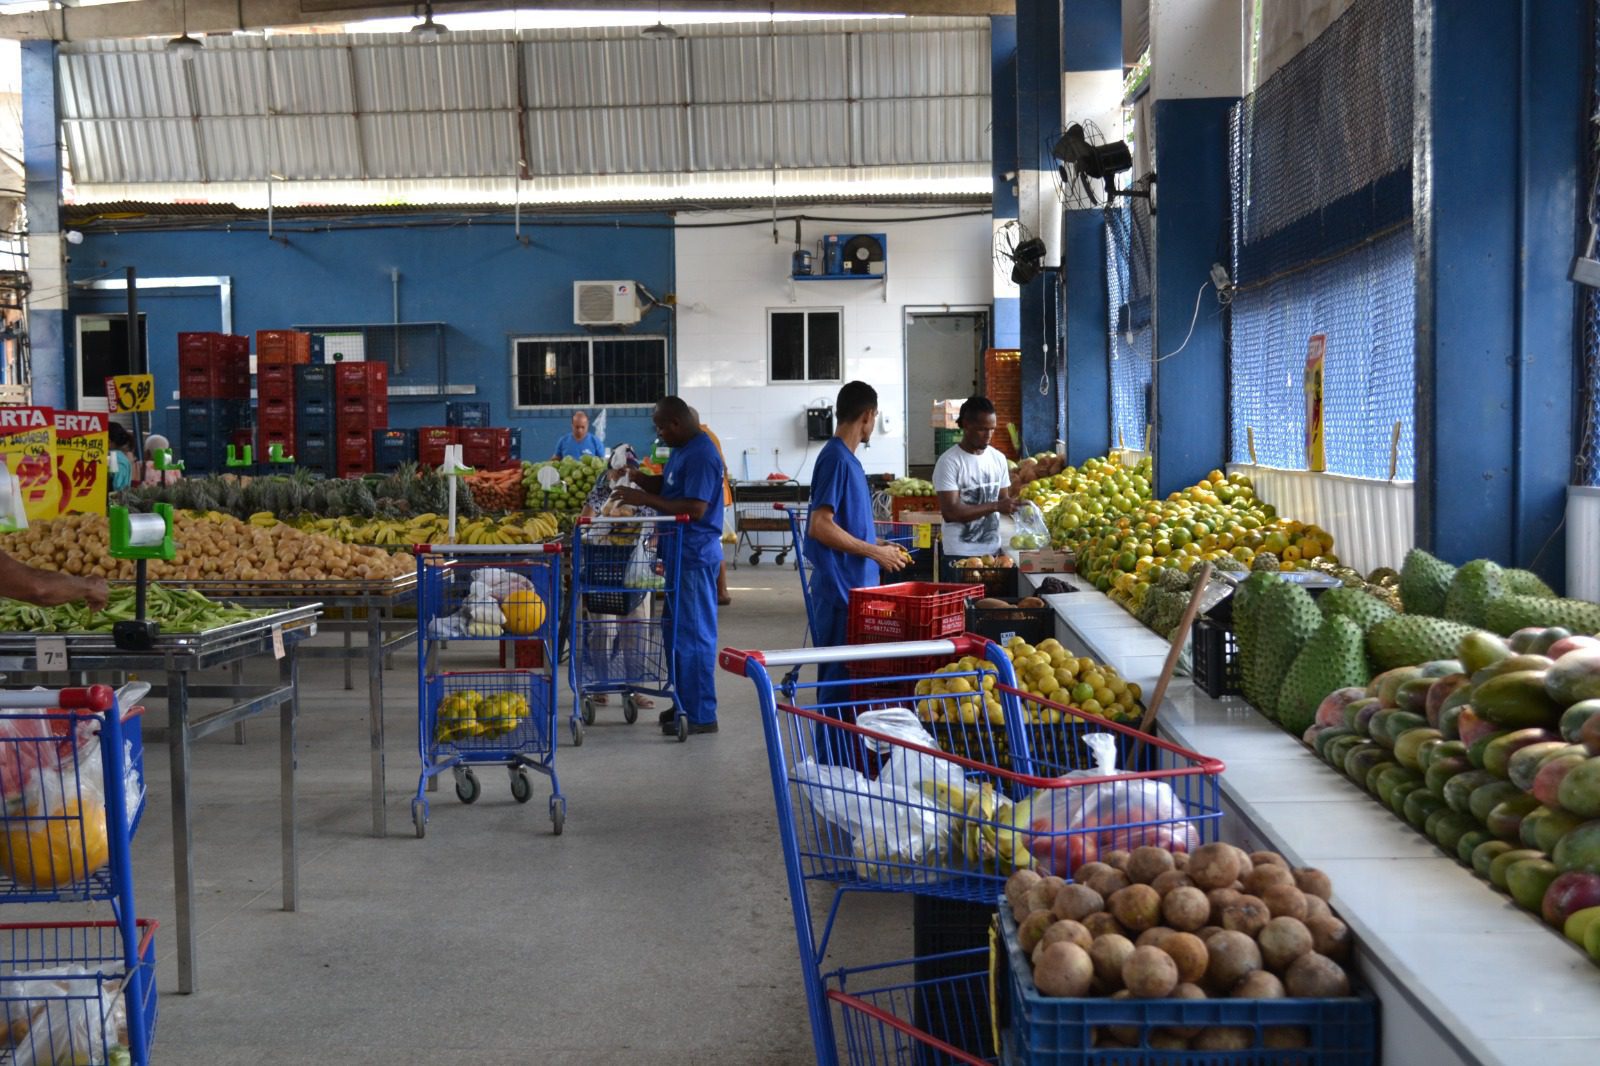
[1499, 136]
[1191, 223]
[1003, 158]
[1038, 120]
[41, 163]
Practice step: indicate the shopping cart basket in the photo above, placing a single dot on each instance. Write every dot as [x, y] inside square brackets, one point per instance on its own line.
[625, 574]
[472, 713]
[758, 517]
[902, 533]
[869, 802]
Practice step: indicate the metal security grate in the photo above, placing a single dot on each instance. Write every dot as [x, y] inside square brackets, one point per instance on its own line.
[1588, 464]
[1132, 347]
[1321, 183]
[588, 371]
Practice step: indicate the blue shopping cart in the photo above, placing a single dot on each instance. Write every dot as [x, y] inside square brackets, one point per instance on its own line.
[72, 773]
[911, 798]
[475, 713]
[625, 575]
[902, 533]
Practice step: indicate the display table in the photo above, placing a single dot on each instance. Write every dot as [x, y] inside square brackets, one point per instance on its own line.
[1463, 974]
[177, 656]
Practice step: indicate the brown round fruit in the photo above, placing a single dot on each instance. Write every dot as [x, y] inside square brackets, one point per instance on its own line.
[1107, 882]
[1285, 1036]
[1117, 859]
[1247, 914]
[1206, 932]
[1040, 896]
[1077, 902]
[1180, 860]
[1155, 936]
[1071, 932]
[1245, 865]
[1283, 940]
[1148, 863]
[1186, 909]
[1224, 1038]
[1262, 878]
[1213, 866]
[1263, 858]
[1313, 882]
[1317, 907]
[1258, 985]
[1108, 953]
[1064, 970]
[1190, 955]
[1150, 973]
[1220, 899]
[1285, 901]
[1124, 1035]
[1032, 930]
[1137, 907]
[1167, 1040]
[1232, 956]
[1170, 880]
[1330, 937]
[1100, 923]
[1082, 873]
[1017, 886]
[1187, 990]
[1315, 976]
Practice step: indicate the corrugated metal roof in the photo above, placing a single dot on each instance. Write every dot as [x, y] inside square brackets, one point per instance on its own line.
[577, 105]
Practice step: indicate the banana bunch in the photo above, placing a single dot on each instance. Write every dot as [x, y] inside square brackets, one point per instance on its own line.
[262, 519]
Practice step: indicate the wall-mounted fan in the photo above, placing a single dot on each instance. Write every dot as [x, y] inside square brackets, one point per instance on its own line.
[1015, 245]
[1087, 159]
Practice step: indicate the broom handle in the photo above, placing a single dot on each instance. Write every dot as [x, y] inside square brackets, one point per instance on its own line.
[1184, 627]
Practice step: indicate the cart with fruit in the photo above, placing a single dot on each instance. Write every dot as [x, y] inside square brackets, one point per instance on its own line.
[72, 769]
[902, 534]
[472, 601]
[759, 518]
[624, 587]
[868, 801]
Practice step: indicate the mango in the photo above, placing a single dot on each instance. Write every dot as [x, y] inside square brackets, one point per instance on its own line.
[1374, 775]
[1442, 668]
[1392, 775]
[1359, 762]
[1573, 717]
[1529, 880]
[1408, 745]
[1440, 691]
[1479, 649]
[1525, 762]
[1580, 849]
[1574, 677]
[1550, 830]
[1546, 787]
[1332, 710]
[1473, 728]
[1505, 821]
[1589, 735]
[1328, 736]
[1419, 804]
[1413, 695]
[1340, 748]
[1386, 686]
[1486, 798]
[1447, 827]
[1579, 791]
[1400, 793]
[1578, 923]
[1515, 664]
[1358, 715]
[1591, 941]
[1484, 855]
[1439, 775]
[1459, 788]
[1501, 866]
[1497, 753]
[1470, 842]
[1517, 700]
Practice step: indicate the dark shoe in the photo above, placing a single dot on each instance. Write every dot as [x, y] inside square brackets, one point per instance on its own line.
[725, 601]
[666, 717]
[669, 727]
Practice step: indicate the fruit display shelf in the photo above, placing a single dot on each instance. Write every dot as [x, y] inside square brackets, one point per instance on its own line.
[1464, 976]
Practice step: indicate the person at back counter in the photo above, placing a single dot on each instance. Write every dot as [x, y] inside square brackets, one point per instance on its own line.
[972, 481]
[46, 588]
[580, 441]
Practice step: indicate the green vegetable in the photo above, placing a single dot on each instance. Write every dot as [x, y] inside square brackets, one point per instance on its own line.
[176, 610]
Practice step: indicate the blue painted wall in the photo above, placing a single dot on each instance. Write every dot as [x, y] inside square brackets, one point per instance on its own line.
[471, 275]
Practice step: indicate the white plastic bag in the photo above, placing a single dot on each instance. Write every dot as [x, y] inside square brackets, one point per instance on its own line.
[890, 829]
[1029, 532]
[61, 1016]
[497, 583]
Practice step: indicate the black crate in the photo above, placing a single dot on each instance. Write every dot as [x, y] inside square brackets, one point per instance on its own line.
[999, 582]
[516, 443]
[314, 453]
[467, 415]
[1214, 656]
[308, 426]
[391, 447]
[313, 387]
[1032, 624]
[938, 927]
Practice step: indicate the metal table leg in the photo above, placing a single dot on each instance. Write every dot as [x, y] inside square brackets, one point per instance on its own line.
[238, 680]
[288, 711]
[182, 829]
[349, 616]
[375, 717]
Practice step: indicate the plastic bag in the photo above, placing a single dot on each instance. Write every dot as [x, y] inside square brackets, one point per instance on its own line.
[62, 1015]
[497, 583]
[92, 768]
[27, 743]
[889, 828]
[1078, 824]
[1029, 532]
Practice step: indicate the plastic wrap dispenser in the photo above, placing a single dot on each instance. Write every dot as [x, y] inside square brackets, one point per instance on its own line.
[140, 537]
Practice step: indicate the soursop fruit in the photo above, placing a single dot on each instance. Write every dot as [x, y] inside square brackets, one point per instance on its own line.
[1335, 657]
[1475, 586]
[1526, 583]
[1511, 613]
[1413, 639]
[1285, 620]
[1266, 561]
[1362, 608]
[1424, 583]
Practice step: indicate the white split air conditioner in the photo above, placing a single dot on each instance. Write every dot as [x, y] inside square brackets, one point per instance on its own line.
[605, 303]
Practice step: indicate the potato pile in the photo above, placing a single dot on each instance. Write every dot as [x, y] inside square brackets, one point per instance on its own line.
[213, 548]
[1157, 924]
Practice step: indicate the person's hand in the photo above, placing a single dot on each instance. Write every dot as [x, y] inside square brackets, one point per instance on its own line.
[889, 557]
[1007, 504]
[96, 593]
[629, 495]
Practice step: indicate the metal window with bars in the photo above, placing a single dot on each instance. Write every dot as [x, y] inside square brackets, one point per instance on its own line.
[1131, 350]
[805, 345]
[588, 371]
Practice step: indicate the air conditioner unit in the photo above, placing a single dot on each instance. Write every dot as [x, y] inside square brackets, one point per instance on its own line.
[855, 253]
[605, 303]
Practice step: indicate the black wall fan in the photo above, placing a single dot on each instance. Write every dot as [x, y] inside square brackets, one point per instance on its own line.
[1088, 159]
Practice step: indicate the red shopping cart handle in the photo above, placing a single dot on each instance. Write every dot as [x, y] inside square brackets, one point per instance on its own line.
[96, 698]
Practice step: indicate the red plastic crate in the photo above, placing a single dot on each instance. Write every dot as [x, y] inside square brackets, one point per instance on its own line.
[351, 419]
[910, 610]
[431, 443]
[871, 673]
[360, 377]
[211, 367]
[283, 347]
[274, 374]
[276, 423]
[275, 394]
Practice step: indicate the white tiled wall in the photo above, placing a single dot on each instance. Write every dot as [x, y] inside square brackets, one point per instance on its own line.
[727, 279]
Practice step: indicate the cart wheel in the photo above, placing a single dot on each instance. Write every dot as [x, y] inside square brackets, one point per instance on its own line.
[630, 710]
[558, 815]
[683, 728]
[588, 711]
[419, 817]
[779, 560]
[755, 559]
[577, 732]
[521, 787]
[467, 787]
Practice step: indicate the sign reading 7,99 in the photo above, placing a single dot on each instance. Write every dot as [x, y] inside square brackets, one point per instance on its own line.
[131, 393]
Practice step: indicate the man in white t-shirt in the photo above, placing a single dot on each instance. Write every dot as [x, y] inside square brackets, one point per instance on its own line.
[973, 482]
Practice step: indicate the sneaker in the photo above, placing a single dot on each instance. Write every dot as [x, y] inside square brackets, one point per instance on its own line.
[669, 727]
[666, 718]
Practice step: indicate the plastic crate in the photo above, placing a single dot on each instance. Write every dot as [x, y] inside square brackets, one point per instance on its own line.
[909, 610]
[1000, 624]
[1047, 1031]
[466, 413]
[891, 679]
[999, 582]
[899, 505]
[943, 933]
[1214, 656]
[431, 443]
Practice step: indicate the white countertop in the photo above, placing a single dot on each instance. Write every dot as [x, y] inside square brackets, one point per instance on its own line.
[1508, 988]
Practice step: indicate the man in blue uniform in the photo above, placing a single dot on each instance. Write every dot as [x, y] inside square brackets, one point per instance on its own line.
[841, 537]
[690, 485]
[579, 442]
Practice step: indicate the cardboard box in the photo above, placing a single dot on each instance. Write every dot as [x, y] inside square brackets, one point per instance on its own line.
[1047, 562]
[944, 414]
[921, 518]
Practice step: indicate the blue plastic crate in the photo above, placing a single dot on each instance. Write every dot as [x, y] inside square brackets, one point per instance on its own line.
[468, 415]
[391, 447]
[1047, 1031]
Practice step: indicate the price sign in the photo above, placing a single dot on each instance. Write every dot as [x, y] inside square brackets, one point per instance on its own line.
[50, 653]
[277, 642]
[28, 448]
[923, 536]
[131, 393]
[81, 461]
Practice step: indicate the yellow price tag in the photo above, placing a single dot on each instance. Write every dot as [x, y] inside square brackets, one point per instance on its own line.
[131, 393]
[922, 537]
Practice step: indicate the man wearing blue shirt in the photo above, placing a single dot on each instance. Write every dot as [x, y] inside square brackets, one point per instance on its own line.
[580, 441]
[690, 485]
[841, 535]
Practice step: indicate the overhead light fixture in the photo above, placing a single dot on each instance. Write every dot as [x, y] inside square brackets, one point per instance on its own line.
[183, 46]
[549, 362]
[428, 30]
[659, 32]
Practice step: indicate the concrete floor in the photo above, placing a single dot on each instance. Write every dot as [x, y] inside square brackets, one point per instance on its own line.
[657, 929]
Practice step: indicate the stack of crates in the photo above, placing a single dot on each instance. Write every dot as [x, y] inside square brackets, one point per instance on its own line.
[391, 447]
[213, 397]
[313, 418]
[432, 441]
[360, 406]
[907, 611]
[1002, 382]
[486, 449]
